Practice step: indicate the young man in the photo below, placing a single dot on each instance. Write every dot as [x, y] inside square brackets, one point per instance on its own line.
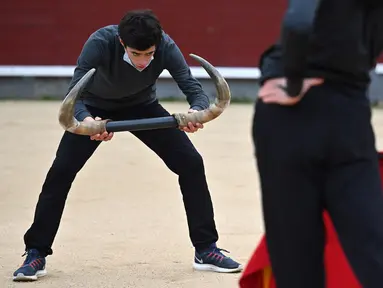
[314, 142]
[129, 59]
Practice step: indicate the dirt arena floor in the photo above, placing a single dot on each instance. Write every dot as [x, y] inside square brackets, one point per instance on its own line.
[124, 224]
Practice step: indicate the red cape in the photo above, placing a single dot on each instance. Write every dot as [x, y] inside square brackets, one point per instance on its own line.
[258, 274]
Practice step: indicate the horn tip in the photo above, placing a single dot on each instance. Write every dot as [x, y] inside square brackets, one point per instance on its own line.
[194, 56]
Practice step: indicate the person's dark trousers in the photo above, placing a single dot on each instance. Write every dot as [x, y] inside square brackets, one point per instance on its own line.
[320, 154]
[171, 145]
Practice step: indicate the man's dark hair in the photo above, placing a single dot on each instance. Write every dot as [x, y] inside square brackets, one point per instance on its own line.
[140, 29]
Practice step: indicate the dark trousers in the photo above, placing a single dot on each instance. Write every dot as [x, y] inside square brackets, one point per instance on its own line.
[320, 154]
[171, 145]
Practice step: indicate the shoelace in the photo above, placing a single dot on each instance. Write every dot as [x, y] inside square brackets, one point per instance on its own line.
[30, 255]
[216, 253]
[219, 250]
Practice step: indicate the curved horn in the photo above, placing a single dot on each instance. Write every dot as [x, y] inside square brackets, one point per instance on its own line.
[66, 119]
[221, 102]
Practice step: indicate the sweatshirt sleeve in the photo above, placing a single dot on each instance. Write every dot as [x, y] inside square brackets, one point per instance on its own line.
[90, 57]
[297, 26]
[176, 64]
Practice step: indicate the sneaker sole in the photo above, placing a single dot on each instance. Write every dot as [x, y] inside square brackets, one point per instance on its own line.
[209, 267]
[22, 277]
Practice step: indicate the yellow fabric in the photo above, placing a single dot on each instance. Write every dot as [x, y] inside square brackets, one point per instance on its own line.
[267, 277]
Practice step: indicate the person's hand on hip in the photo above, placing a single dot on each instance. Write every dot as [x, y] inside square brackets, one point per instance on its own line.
[272, 91]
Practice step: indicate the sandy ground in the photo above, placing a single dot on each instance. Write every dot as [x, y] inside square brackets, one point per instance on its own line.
[124, 223]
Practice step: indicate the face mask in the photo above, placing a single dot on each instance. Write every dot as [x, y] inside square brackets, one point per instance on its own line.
[127, 60]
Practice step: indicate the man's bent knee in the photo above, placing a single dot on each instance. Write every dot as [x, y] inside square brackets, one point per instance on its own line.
[191, 162]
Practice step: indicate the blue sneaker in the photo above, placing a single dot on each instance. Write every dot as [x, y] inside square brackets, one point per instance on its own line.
[32, 268]
[212, 259]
